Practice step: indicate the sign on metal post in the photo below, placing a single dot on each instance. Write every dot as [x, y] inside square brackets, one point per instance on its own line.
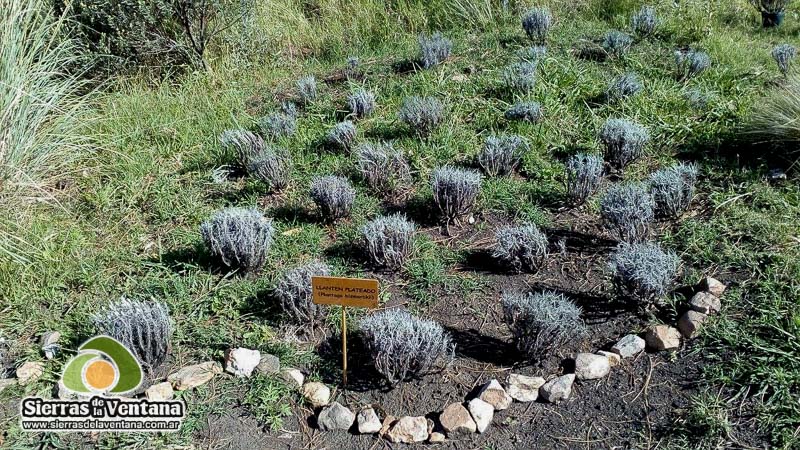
[353, 292]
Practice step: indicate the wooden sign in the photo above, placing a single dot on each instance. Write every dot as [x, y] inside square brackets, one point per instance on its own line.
[353, 292]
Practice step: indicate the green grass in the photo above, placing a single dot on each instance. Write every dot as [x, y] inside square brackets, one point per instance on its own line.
[127, 221]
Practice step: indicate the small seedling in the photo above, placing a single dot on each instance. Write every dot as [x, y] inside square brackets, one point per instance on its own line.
[691, 63]
[239, 237]
[522, 248]
[643, 272]
[623, 86]
[536, 23]
[673, 189]
[502, 154]
[307, 89]
[584, 173]
[388, 240]
[144, 328]
[525, 111]
[403, 346]
[783, 55]
[542, 322]
[623, 141]
[333, 195]
[628, 209]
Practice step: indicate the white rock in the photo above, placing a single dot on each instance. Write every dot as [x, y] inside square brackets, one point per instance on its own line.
[663, 337]
[316, 393]
[629, 346]
[29, 372]
[335, 417]
[455, 419]
[368, 421]
[557, 389]
[193, 376]
[713, 286]
[49, 342]
[160, 392]
[269, 364]
[613, 358]
[482, 413]
[293, 376]
[436, 437]
[589, 366]
[494, 394]
[408, 430]
[242, 361]
[690, 323]
[522, 388]
[706, 303]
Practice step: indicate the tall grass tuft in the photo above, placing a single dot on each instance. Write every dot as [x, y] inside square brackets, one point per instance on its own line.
[41, 110]
[42, 114]
[774, 119]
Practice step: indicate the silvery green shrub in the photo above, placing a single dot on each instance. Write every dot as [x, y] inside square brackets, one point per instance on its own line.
[403, 346]
[144, 328]
[243, 143]
[627, 210]
[421, 114]
[526, 111]
[433, 49]
[307, 89]
[673, 189]
[293, 291]
[6, 358]
[502, 154]
[584, 173]
[523, 248]
[455, 191]
[697, 98]
[352, 69]
[361, 103]
[616, 43]
[388, 240]
[383, 167]
[534, 54]
[520, 77]
[272, 166]
[333, 195]
[536, 23]
[342, 135]
[643, 271]
[542, 322]
[278, 125]
[691, 63]
[644, 22]
[623, 86]
[623, 141]
[784, 54]
[239, 237]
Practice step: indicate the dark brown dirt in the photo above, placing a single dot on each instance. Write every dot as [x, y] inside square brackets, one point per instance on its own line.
[630, 407]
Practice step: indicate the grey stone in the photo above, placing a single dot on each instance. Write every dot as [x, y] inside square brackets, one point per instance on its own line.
[455, 419]
[242, 361]
[523, 388]
[436, 438]
[663, 337]
[408, 430]
[494, 394]
[713, 286]
[482, 413]
[690, 323]
[613, 358]
[269, 364]
[160, 392]
[557, 389]
[368, 421]
[629, 346]
[316, 393]
[49, 343]
[335, 417]
[29, 372]
[195, 375]
[293, 377]
[706, 303]
[589, 366]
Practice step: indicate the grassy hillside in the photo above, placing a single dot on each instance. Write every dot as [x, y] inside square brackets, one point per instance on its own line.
[126, 220]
